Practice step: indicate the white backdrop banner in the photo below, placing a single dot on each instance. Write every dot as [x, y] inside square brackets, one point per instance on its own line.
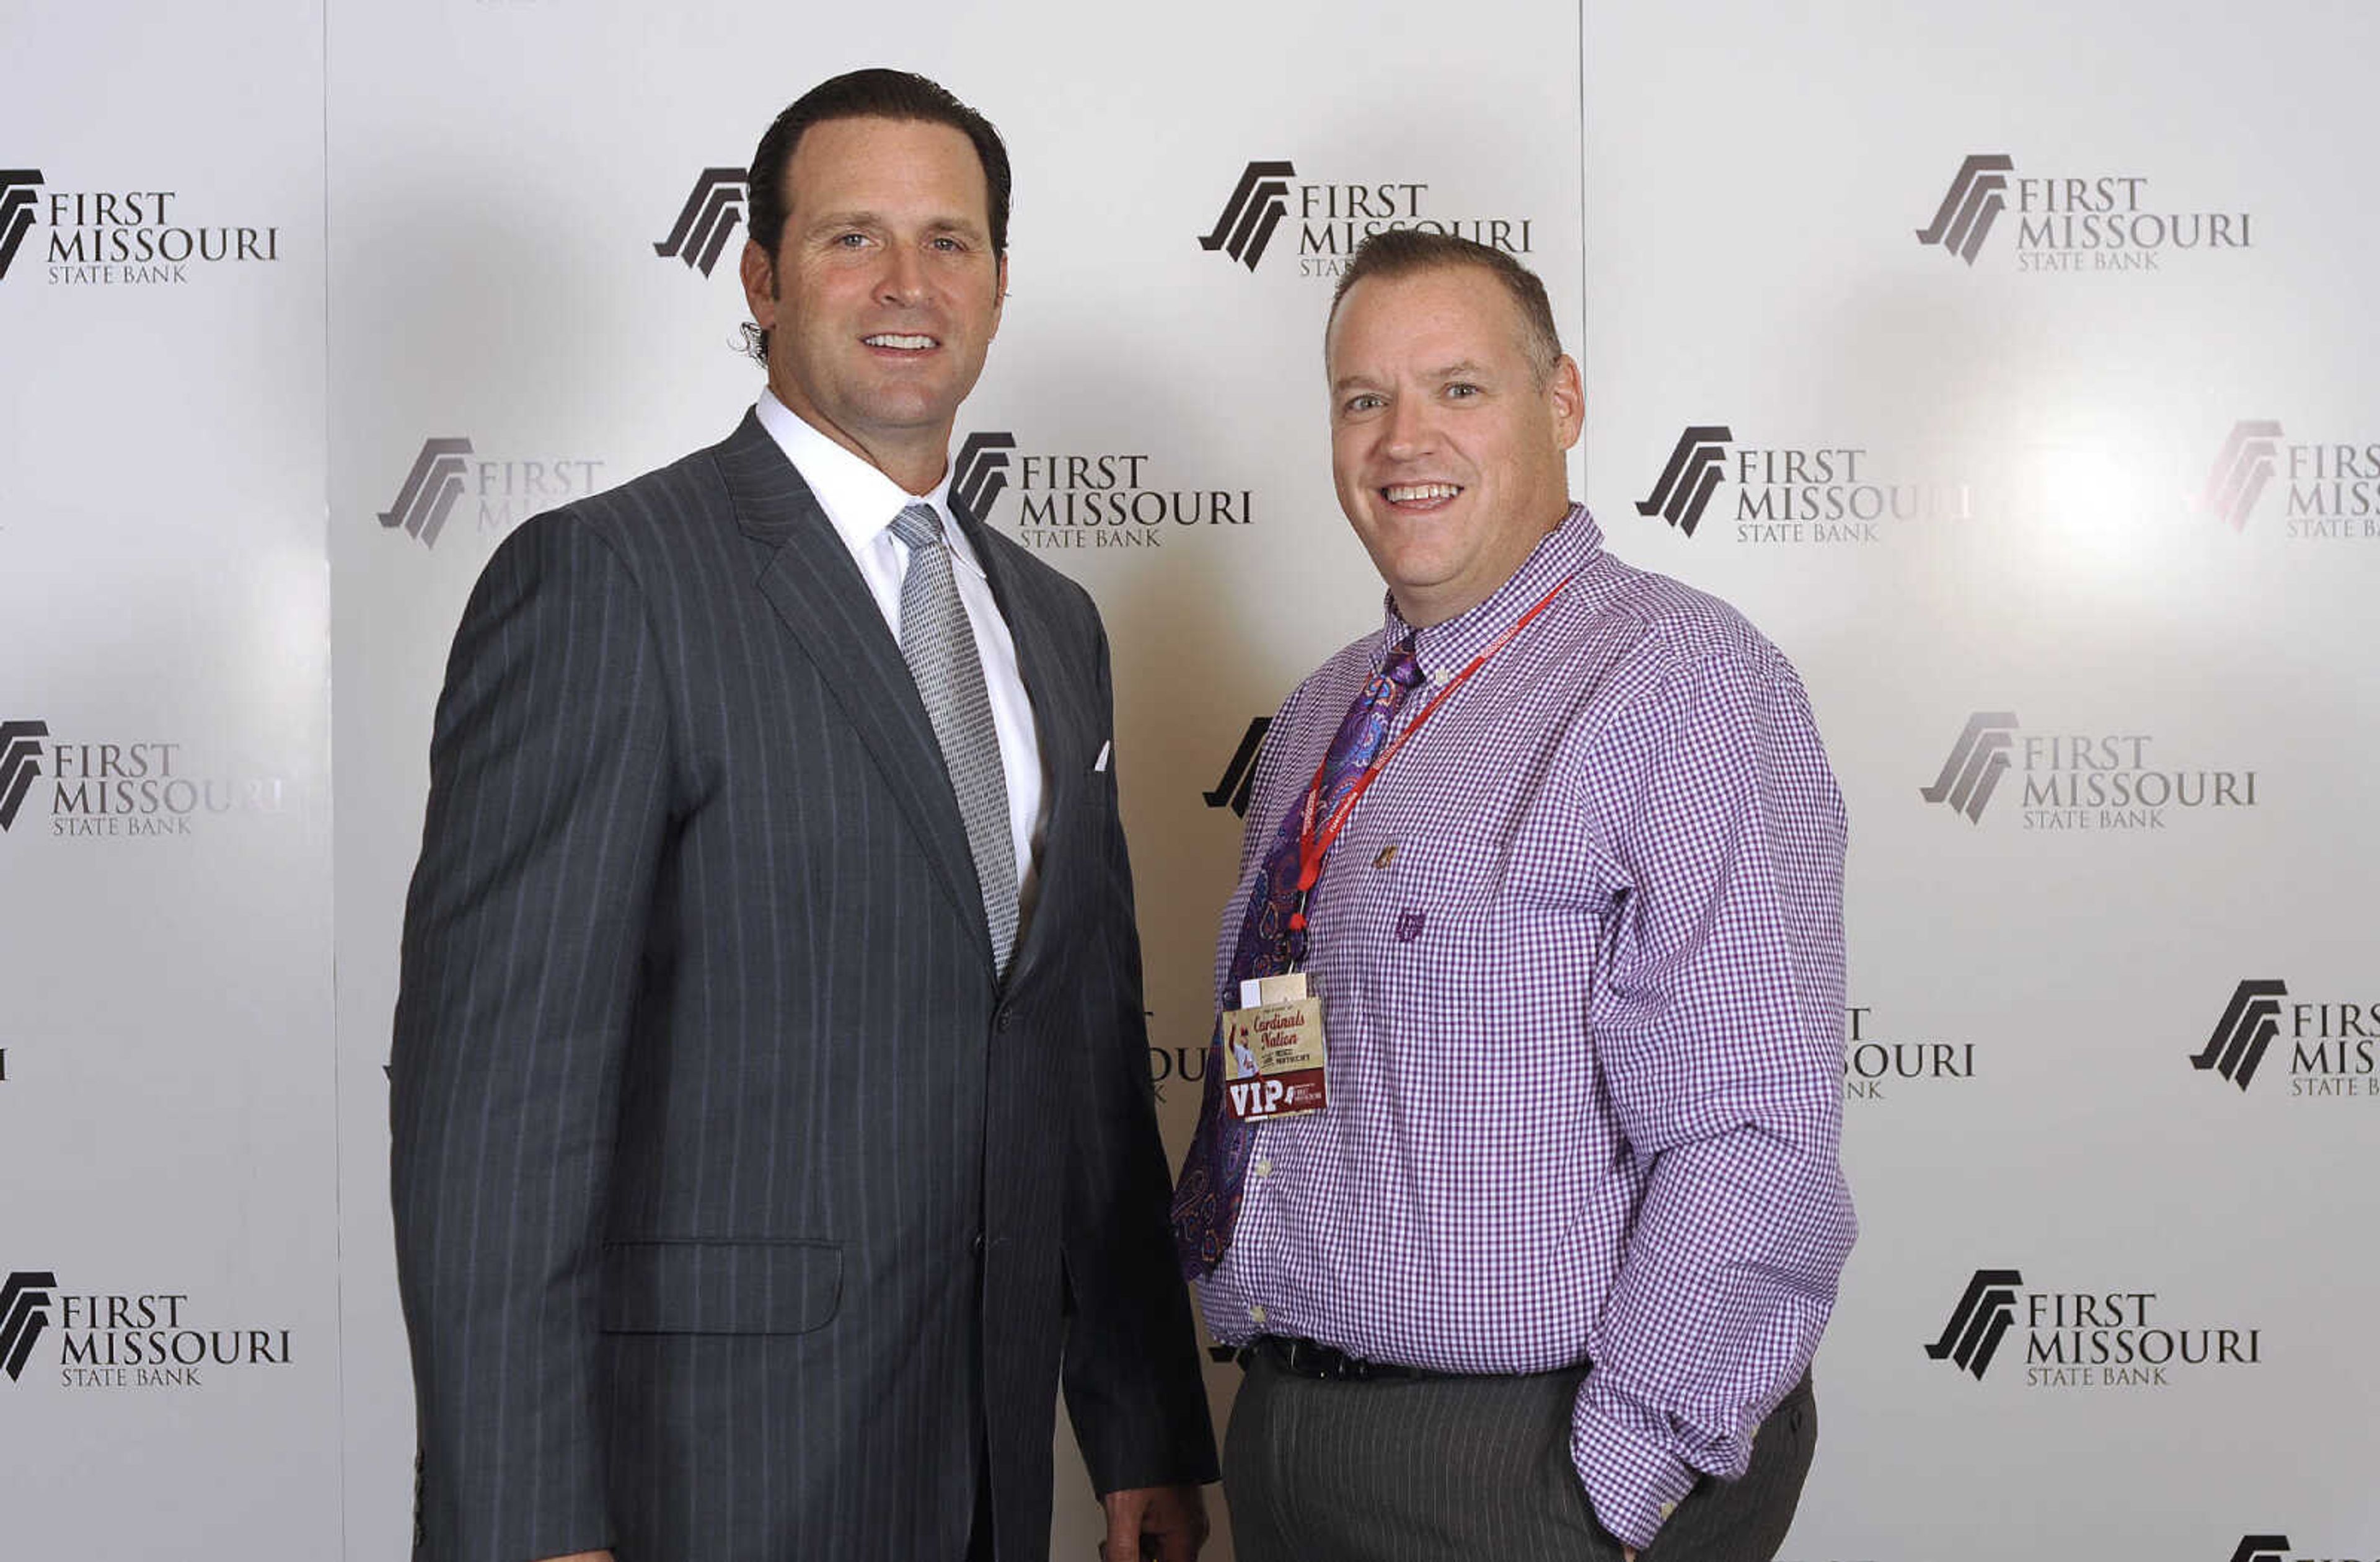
[2009, 367]
[169, 1330]
[2006, 365]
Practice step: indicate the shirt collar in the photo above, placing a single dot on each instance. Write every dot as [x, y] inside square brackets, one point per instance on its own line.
[858, 500]
[1444, 649]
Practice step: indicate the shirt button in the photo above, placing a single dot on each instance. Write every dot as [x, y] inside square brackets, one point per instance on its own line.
[1256, 1313]
[1263, 1168]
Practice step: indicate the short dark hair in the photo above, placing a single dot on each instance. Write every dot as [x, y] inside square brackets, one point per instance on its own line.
[874, 94]
[1407, 251]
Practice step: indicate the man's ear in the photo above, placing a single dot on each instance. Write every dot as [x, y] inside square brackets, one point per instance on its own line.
[759, 274]
[1566, 401]
[999, 295]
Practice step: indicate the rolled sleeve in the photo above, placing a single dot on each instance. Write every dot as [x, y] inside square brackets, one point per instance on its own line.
[1718, 1027]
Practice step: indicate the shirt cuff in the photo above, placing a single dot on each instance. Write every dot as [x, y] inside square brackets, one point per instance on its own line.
[1632, 1481]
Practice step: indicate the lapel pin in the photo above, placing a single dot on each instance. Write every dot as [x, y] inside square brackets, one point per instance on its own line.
[1388, 855]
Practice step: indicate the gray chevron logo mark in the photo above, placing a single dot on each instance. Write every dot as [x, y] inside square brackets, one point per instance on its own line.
[1968, 209]
[1240, 775]
[1257, 205]
[706, 220]
[980, 474]
[2249, 1024]
[25, 1299]
[16, 186]
[430, 490]
[20, 763]
[1977, 763]
[1695, 470]
[1985, 1313]
[2240, 472]
[2262, 1548]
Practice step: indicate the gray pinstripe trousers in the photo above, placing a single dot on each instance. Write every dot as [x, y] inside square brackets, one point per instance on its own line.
[1458, 1468]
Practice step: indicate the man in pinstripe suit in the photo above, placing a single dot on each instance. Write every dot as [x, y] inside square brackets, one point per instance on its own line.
[772, 1118]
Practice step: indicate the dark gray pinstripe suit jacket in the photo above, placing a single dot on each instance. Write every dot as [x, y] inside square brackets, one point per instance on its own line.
[735, 1197]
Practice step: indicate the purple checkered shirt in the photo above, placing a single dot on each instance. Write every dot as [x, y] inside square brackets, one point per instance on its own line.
[1580, 951]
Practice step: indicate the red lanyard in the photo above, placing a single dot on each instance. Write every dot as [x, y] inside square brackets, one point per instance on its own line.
[1313, 846]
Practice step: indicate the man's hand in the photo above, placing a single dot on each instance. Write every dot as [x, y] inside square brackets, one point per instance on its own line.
[1172, 1517]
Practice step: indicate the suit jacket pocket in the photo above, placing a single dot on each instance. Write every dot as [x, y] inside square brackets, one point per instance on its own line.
[724, 1287]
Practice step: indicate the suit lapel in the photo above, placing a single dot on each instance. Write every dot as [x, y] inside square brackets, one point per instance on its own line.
[811, 581]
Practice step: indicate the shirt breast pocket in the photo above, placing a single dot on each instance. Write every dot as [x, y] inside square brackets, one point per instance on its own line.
[1489, 949]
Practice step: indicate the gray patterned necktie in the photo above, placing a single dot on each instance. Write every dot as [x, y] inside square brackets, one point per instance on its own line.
[938, 644]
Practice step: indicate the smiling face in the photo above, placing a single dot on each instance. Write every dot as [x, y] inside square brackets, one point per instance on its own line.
[884, 292]
[1446, 448]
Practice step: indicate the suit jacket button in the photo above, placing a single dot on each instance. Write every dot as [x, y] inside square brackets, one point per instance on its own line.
[976, 1243]
[1001, 1020]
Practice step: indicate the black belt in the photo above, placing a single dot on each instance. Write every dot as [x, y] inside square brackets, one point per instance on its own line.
[1306, 1359]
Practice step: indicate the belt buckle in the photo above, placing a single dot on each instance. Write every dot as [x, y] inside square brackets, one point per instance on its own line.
[1329, 1363]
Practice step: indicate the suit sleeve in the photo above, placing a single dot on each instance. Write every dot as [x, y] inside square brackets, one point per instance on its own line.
[548, 801]
[1133, 1385]
[1720, 1026]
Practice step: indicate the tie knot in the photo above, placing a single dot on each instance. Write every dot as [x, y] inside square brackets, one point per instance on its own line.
[919, 525]
[1402, 668]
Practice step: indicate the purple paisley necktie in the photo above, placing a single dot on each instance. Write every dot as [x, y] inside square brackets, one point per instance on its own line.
[1207, 1200]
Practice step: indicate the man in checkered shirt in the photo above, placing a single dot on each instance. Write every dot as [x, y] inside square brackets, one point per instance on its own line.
[1545, 1275]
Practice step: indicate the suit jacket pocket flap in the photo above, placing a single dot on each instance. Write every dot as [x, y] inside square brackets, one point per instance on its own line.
[694, 1287]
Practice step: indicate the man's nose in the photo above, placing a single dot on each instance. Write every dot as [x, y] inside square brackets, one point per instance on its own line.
[1407, 431]
[904, 280]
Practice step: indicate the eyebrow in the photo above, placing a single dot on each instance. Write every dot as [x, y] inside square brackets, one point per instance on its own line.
[876, 219]
[1449, 371]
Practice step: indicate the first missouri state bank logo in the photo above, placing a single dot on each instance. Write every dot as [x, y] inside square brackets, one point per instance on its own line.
[1977, 762]
[20, 764]
[430, 491]
[134, 1340]
[16, 186]
[2079, 780]
[1085, 499]
[1258, 203]
[2069, 223]
[118, 236]
[2330, 487]
[118, 790]
[25, 1299]
[1240, 775]
[1983, 1318]
[707, 220]
[979, 475]
[1696, 464]
[1976, 198]
[2334, 1044]
[1799, 493]
[2097, 1338]
[502, 492]
[2245, 1033]
[1326, 221]
[2242, 470]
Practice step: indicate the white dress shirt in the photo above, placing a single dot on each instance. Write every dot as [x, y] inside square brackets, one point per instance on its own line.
[860, 503]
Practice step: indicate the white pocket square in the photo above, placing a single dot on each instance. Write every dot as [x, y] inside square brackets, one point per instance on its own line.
[1101, 764]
